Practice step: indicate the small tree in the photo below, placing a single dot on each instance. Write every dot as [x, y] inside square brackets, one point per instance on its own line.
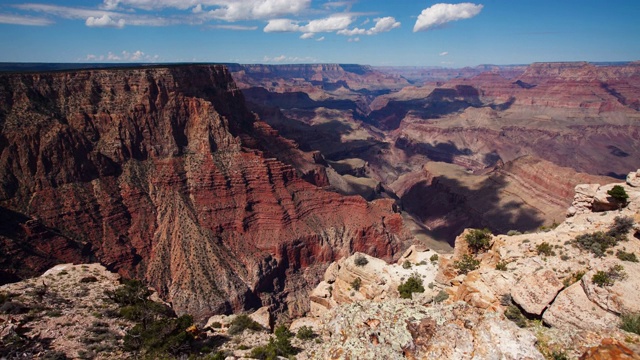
[360, 261]
[479, 240]
[618, 193]
[466, 264]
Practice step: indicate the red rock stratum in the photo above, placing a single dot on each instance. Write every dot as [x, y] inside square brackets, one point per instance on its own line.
[162, 173]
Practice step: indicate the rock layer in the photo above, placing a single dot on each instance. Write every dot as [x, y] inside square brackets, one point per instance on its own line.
[161, 173]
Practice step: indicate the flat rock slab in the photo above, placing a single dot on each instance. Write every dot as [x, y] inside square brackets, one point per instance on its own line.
[623, 296]
[534, 292]
[573, 309]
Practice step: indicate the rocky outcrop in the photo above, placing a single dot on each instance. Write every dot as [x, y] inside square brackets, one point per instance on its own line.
[610, 349]
[162, 173]
[536, 291]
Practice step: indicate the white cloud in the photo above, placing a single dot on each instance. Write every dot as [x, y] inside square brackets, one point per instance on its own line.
[384, 24]
[83, 14]
[329, 24]
[355, 39]
[229, 10]
[288, 59]
[104, 21]
[307, 35]
[233, 27]
[135, 56]
[444, 53]
[281, 25]
[320, 38]
[440, 14]
[24, 20]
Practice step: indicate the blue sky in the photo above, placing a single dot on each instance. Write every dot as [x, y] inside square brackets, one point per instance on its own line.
[375, 32]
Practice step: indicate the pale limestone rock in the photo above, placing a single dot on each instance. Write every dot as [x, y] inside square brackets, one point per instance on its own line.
[633, 179]
[573, 309]
[535, 291]
[603, 201]
[414, 254]
[451, 341]
[313, 323]
[497, 338]
[332, 271]
[262, 316]
[623, 296]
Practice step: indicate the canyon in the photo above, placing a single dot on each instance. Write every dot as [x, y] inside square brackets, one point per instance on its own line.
[162, 173]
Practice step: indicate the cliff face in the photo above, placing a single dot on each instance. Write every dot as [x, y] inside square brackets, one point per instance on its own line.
[162, 173]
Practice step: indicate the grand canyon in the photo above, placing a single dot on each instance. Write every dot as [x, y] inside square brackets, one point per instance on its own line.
[230, 188]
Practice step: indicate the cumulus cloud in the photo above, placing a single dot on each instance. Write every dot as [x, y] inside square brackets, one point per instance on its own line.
[329, 24]
[444, 53]
[104, 21]
[23, 20]
[440, 14]
[384, 24]
[307, 35]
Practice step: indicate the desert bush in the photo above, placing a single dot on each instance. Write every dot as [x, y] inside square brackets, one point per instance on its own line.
[360, 261]
[618, 193]
[241, 323]
[545, 249]
[513, 232]
[280, 345]
[627, 256]
[406, 264]
[575, 277]
[356, 283]
[608, 278]
[413, 284]
[466, 264]
[440, 297]
[434, 258]
[163, 336]
[479, 240]
[514, 314]
[559, 355]
[630, 323]
[216, 325]
[501, 266]
[89, 279]
[622, 225]
[305, 333]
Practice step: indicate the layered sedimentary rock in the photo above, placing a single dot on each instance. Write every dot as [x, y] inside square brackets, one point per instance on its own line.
[162, 173]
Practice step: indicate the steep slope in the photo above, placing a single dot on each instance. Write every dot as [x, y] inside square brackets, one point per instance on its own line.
[160, 173]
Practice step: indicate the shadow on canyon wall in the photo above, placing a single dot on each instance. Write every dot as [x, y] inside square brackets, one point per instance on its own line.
[447, 206]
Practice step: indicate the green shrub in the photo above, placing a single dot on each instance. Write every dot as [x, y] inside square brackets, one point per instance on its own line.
[360, 261]
[305, 333]
[413, 284]
[618, 193]
[514, 314]
[163, 336]
[559, 355]
[241, 323]
[356, 283]
[607, 278]
[442, 296]
[280, 345]
[89, 279]
[627, 256]
[434, 258]
[513, 232]
[502, 266]
[478, 240]
[545, 249]
[466, 264]
[575, 277]
[630, 323]
[406, 264]
[622, 225]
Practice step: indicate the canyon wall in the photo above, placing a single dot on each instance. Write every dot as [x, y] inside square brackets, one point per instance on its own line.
[162, 173]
